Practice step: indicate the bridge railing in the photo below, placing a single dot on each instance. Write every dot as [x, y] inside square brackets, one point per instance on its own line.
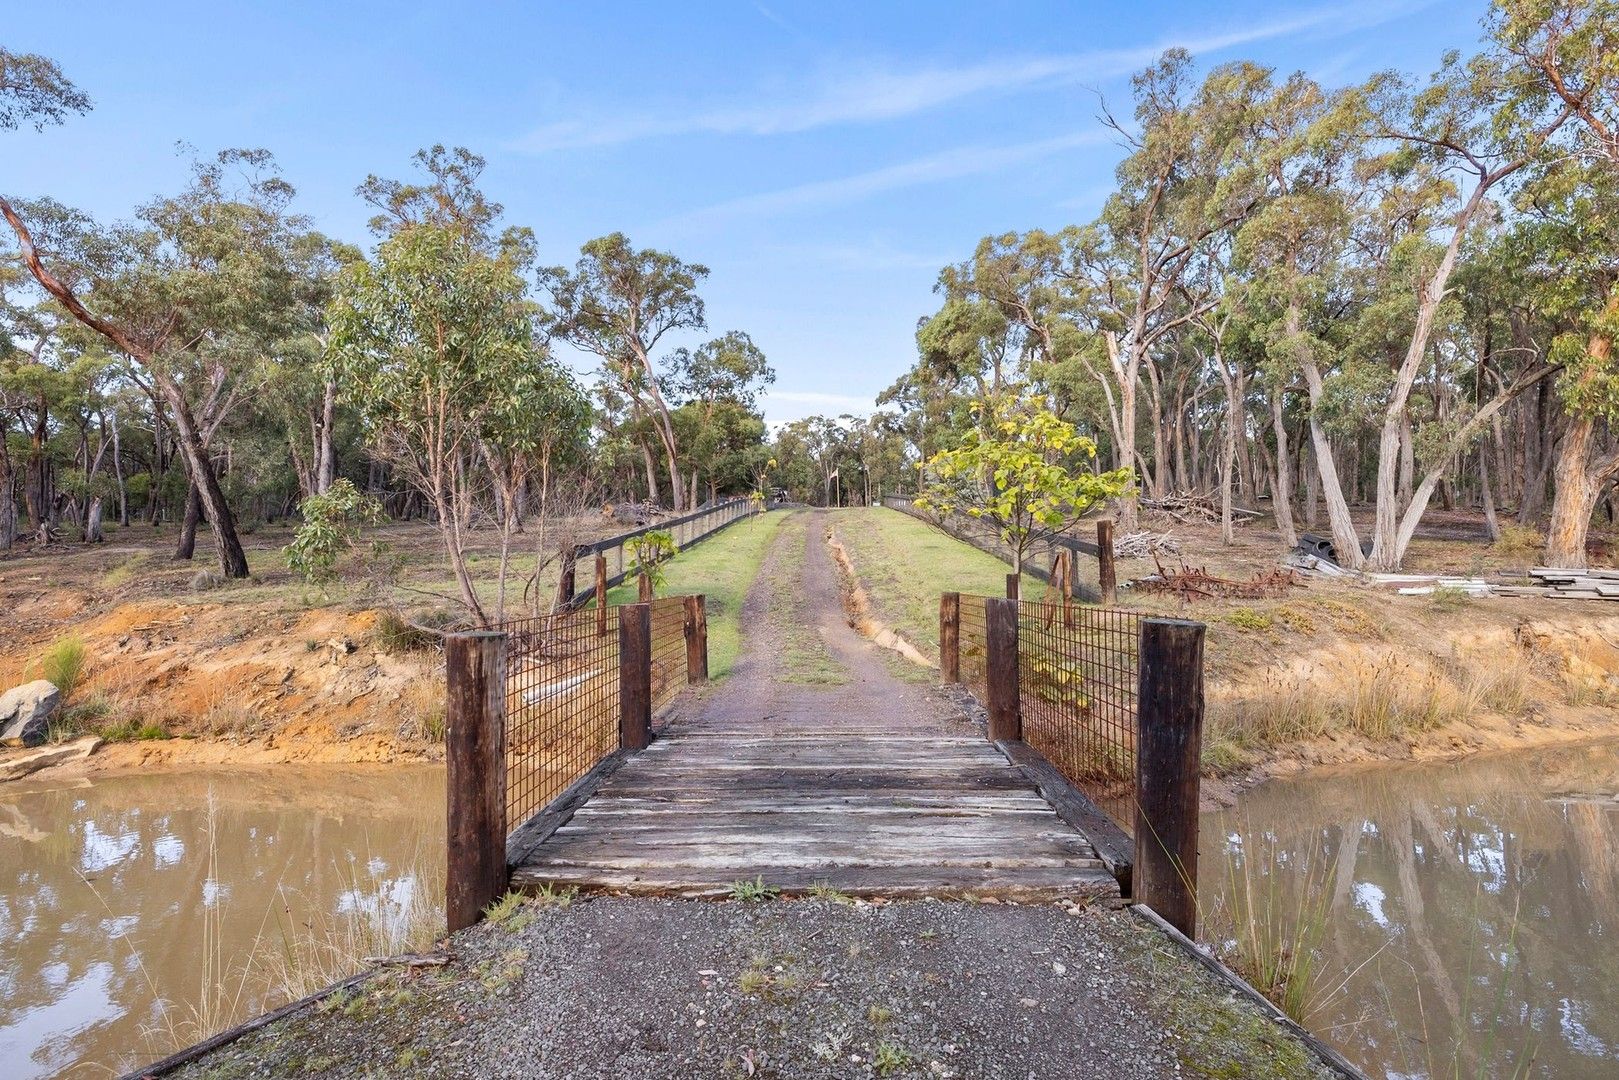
[536, 707]
[1109, 701]
[612, 558]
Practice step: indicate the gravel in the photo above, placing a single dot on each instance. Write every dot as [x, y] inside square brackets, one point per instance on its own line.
[647, 989]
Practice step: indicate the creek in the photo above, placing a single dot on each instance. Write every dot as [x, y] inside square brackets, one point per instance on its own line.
[1468, 912]
[138, 912]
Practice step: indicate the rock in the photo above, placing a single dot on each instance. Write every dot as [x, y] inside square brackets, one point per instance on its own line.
[25, 711]
[19, 765]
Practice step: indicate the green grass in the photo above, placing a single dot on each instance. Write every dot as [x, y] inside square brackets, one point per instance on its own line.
[805, 658]
[63, 664]
[904, 564]
[722, 568]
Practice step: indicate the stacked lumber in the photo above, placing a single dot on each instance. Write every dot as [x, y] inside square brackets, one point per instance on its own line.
[1562, 584]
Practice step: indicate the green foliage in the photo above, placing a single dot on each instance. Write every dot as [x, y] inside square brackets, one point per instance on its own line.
[63, 663]
[332, 524]
[1020, 469]
[649, 553]
[134, 731]
[889, 1058]
[750, 892]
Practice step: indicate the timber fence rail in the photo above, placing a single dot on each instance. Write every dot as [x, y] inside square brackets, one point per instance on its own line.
[536, 708]
[611, 560]
[1107, 702]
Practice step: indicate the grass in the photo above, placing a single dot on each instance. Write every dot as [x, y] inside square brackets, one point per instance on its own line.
[905, 564]
[62, 665]
[423, 709]
[804, 658]
[723, 568]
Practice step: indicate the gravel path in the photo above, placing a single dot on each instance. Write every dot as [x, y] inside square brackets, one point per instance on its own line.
[645, 989]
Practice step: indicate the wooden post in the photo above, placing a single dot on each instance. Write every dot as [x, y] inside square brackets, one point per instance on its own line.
[1001, 670]
[1068, 561]
[696, 640]
[643, 588]
[1169, 738]
[950, 637]
[1013, 583]
[475, 757]
[601, 595]
[634, 676]
[1104, 558]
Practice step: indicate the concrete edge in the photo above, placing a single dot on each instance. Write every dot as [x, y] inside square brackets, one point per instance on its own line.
[1325, 1054]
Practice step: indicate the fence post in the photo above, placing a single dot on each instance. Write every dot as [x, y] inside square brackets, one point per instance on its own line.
[634, 676]
[1169, 737]
[1013, 586]
[696, 640]
[1001, 670]
[475, 758]
[601, 595]
[950, 637]
[1104, 558]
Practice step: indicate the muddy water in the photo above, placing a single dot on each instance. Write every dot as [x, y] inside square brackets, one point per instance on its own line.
[1473, 908]
[120, 897]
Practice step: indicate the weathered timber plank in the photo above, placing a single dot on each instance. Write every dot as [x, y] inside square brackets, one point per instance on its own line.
[1114, 846]
[1032, 885]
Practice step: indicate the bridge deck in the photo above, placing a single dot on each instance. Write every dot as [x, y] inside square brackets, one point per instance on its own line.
[865, 782]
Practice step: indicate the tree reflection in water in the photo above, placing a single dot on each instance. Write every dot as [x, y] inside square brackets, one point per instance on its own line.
[104, 887]
[1490, 886]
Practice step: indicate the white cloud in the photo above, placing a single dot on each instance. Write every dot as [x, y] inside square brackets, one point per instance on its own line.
[934, 168]
[871, 95]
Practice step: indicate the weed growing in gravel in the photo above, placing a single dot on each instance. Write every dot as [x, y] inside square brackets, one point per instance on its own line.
[823, 891]
[749, 892]
[510, 912]
[499, 976]
[879, 1015]
[551, 896]
[889, 1059]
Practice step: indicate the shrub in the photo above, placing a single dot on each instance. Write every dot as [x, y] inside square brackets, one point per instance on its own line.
[63, 664]
[1519, 541]
[651, 550]
[392, 635]
[332, 524]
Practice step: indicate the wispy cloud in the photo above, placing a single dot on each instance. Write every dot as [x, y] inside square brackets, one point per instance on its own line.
[871, 95]
[934, 168]
[814, 398]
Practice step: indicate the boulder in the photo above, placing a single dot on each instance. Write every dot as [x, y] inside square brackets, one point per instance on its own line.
[25, 711]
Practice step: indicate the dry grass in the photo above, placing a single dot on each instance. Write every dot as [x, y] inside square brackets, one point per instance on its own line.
[422, 709]
[1518, 542]
[228, 717]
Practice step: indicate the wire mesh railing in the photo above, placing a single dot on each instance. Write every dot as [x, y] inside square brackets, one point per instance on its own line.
[562, 707]
[668, 648]
[1077, 685]
[619, 551]
[1077, 671]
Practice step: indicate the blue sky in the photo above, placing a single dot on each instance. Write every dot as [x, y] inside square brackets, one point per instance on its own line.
[823, 159]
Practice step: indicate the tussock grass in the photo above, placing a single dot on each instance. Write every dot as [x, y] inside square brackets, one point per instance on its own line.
[1382, 696]
[1519, 542]
[422, 709]
[62, 665]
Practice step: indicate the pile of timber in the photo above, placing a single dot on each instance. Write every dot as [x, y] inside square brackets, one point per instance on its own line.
[1428, 584]
[1139, 545]
[1563, 584]
[1194, 508]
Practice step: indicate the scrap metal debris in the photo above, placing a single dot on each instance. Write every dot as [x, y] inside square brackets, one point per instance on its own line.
[1189, 582]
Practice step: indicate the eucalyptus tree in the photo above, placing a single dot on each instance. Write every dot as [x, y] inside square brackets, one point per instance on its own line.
[188, 293]
[618, 303]
[34, 92]
[718, 385]
[1570, 50]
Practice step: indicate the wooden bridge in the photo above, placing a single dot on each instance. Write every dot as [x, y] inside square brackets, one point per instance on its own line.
[861, 783]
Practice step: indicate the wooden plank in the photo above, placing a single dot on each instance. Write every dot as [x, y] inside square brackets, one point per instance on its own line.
[696, 631]
[1001, 668]
[475, 775]
[1168, 769]
[1029, 884]
[635, 675]
[1112, 844]
[537, 829]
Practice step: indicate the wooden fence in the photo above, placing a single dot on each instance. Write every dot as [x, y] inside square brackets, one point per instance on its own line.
[1108, 705]
[613, 558]
[1045, 547]
[537, 708]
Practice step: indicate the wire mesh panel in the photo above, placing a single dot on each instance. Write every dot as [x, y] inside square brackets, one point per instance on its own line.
[561, 705]
[973, 646]
[619, 550]
[668, 648]
[1077, 692]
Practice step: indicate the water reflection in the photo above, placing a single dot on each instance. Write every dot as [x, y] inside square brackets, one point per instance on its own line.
[1478, 901]
[105, 888]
